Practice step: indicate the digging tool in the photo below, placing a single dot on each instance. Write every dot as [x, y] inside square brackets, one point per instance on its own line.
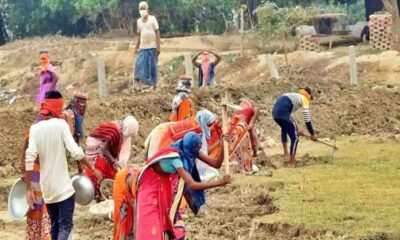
[325, 143]
[231, 105]
[225, 131]
[334, 147]
[333, 150]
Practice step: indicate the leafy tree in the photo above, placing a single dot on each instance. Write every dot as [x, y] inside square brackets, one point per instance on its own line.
[278, 22]
[3, 30]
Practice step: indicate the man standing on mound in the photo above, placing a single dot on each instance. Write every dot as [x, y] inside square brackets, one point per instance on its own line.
[147, 47]
[284, 107]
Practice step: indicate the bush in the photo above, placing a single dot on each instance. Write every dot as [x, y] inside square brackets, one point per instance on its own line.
[275, 22]
[355, 11]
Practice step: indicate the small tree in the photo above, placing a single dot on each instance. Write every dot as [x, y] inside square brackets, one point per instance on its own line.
[280, 23]
[3, 31]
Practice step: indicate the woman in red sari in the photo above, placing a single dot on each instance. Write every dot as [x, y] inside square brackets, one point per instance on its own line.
[168, 176]
[108, 146]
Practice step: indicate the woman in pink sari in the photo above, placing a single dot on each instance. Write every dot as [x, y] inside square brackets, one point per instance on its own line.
[47, 77]
[168, 177]
[206, 68]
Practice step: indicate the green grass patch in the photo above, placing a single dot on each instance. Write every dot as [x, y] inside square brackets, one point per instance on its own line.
[174, 64]
[358, 194]
[230, 59]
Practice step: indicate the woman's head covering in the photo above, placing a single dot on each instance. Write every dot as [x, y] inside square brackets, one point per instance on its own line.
[130, 129]
[187, 149]
[247, 110]
[188, 154]
[184, 84]
[53, 104]
[44, 61]
[306, 92]
[204, 118]
[79, 102]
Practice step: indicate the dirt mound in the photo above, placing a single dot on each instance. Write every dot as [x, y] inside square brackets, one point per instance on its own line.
[231, 213]
[264, 231]
[88, 227]
[336, 110]
[307, 160]
[378, 236]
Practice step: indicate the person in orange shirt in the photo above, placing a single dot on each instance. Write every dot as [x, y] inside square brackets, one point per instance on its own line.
[182, 106]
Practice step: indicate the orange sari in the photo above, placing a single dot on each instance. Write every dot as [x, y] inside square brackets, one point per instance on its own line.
[185, 111]
[240, 149]
[124, 203]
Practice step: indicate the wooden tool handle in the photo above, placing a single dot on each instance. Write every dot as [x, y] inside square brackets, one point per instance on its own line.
[327, 144]
[323, 142]
[225, 131]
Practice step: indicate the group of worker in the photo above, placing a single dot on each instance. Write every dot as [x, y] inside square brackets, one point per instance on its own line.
[182, 156]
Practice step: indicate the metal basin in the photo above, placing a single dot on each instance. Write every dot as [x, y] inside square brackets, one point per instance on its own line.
[84, 189]
[17, 203]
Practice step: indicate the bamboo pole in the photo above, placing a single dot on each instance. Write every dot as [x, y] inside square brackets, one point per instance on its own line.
[225, 131]
[242, 32]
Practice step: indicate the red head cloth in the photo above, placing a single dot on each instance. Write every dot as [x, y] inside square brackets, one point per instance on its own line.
[44, 62]
[53, 106]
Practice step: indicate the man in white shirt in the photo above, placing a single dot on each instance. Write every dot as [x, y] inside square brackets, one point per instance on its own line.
[147, 47]
[48, 141]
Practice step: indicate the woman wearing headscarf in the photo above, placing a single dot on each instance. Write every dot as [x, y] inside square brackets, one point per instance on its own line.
[166, 133]
[47, 77]
[244, 142]
[109, 147]
[74, 114]
[182, 107]
[169, 176]
[206, 67]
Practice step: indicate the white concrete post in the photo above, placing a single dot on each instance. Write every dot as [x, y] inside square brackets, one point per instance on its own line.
[101, 73]
[352, 66]
[189, 66]
[272, 67]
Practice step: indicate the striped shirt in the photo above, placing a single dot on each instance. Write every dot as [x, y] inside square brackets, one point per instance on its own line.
[300, 101]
